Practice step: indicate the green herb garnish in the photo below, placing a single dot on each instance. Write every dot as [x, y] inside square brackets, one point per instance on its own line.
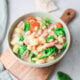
[59, 31]
[63, 76]
[21, 50]
[64, 46]
[26, 26]
[48, 52]
[46, 22]
[21, 38]
[33, 55]
[49, 38]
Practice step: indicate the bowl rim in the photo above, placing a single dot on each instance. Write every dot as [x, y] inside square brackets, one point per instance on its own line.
[39, 65]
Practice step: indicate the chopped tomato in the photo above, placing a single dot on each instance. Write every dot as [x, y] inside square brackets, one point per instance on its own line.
[30, 19]
[32, 28]
[34, 24]
[59, 25]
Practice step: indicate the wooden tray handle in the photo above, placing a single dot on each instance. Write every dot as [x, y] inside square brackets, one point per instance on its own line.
[68, 15]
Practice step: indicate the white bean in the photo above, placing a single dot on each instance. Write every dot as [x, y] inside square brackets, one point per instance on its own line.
[50, 58]
[59, 46]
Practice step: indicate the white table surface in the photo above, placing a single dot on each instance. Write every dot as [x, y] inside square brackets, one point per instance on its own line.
[71, 62]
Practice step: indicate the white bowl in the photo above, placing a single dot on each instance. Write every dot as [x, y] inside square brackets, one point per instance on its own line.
[55, 19]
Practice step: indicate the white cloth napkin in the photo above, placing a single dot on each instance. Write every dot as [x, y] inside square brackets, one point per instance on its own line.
[45, 5]
[3, 19]
[4, 74]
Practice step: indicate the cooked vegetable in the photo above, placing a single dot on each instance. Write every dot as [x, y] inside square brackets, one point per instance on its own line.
[48, 52]
[21, 50]
[63, 76]
[64, 46]
[30, 18]
[49, 38]
[46, 22]
[15, 49]
[26, 26]
[50, 58]
[34, 24]
[21, 38]
[59, 25]
[59, 31]
[33, 55]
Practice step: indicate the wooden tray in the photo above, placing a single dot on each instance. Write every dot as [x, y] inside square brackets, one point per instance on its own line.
[23, 72]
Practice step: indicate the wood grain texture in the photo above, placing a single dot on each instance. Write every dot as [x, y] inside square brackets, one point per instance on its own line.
[23, 72]
[68, 16]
